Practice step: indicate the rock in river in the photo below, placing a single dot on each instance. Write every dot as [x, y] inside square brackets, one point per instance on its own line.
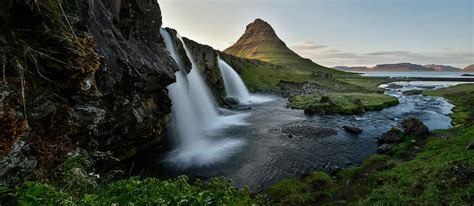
[352, 129]
[415, 126]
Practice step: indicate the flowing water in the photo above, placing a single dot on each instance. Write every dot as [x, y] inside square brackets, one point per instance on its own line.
[195, 117]
[274, 150]
[234, 86]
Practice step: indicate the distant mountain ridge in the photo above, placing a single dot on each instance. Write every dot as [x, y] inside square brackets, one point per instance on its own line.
[403, 67]
[469, 68]
[261, 42]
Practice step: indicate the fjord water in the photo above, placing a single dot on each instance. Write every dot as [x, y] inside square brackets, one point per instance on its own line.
[195, 117]
[234, 86]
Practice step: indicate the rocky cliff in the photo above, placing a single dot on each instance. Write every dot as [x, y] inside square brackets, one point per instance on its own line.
[80, 74]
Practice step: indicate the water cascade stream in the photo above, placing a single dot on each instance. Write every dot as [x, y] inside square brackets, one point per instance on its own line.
[196, 118]
[234, 86]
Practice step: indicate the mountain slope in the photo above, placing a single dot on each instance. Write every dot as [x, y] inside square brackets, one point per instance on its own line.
[442, 68]
[469, 68]
[402, 67]
[261, 42]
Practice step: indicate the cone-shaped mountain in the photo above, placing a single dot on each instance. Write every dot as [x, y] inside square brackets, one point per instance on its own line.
[261, 42]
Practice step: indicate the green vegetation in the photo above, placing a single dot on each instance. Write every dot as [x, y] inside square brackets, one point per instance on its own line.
[440, 174]
[136, 191]
[462, 96]
[78, 184]
[344, 103]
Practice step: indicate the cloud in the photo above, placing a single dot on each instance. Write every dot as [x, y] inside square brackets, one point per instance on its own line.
[393, 53]
[305, 46]
[335, 57]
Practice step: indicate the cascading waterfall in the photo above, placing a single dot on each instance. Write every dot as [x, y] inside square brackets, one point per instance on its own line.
[196, 117]
[234, 86]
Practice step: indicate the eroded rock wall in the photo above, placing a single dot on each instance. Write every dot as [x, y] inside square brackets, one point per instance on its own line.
[120, 104]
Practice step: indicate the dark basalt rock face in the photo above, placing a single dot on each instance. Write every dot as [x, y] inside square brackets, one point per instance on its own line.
[121, 105]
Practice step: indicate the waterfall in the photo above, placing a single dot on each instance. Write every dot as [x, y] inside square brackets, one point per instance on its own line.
[234, 86]
[196, 117]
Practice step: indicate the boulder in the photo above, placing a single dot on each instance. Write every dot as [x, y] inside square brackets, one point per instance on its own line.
[232, 100]
[415, 126]
[360, 106]
[386, 149]
[392, 136]
[352, 129]
[394, 86]
[470, 146]
[412, 92]
[327, 99]
[315, 111]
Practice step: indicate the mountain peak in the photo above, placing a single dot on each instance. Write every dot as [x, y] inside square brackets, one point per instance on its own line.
[261, 42]
[258, 40]
[259, 25]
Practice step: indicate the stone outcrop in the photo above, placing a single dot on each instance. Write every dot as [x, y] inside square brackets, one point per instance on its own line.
[106, 92]
[413, 133]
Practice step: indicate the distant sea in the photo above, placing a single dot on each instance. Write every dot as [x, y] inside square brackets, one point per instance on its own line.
[417, 74]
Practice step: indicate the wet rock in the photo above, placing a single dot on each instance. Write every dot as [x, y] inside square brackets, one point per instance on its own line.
[352, 129]
[17, 164]
[415, 126]
[327, 99]
[392, 136]
[386, 149]
[315, 111]
[360, 106]
[394, 86]
[412, 92]
[232, 100]
[470, 146]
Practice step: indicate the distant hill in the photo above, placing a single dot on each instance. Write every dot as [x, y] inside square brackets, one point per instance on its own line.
[469, 68]
[261, 42]
[402, 67]
[345, 68]
[443, 68]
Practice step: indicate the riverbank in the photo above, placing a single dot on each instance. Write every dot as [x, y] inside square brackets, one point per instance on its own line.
[441, 173]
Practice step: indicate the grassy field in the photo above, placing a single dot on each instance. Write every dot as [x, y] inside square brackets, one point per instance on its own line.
[264, 78]
[344, 102]
[462, 96]
[440, 174]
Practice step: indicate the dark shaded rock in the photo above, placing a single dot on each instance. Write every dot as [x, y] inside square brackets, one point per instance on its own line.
[412, 92]
[360, 106]
[352, 129]
[119, 103]
[415, 126]
[315, 111]
[392, 136]
[394, 86]
[327, 99]
[386, 149]
[232, 100]
[470, 146]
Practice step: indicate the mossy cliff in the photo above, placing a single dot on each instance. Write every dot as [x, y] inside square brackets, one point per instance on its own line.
[79, 74]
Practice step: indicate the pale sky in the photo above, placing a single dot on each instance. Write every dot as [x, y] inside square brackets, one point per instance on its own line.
[338, 32]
